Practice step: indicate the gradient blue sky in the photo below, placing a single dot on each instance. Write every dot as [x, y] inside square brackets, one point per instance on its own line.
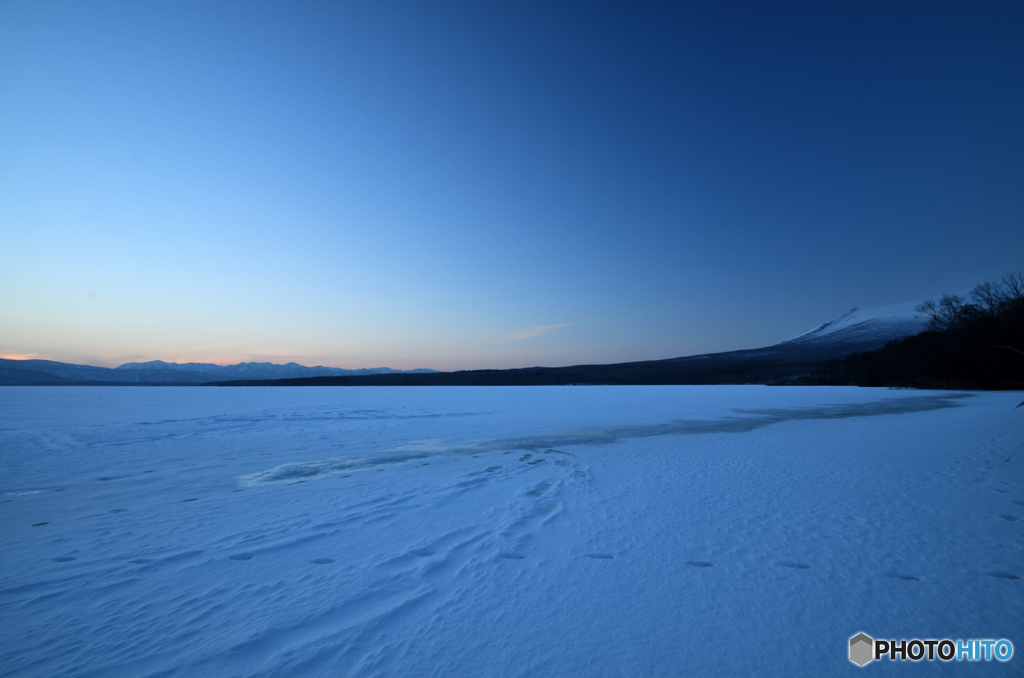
[459, 185]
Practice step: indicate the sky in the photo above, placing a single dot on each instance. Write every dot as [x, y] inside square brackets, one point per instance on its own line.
[458, 185]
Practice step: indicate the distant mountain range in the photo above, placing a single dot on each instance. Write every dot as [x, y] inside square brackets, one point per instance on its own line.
[856, 331]
[158, 372]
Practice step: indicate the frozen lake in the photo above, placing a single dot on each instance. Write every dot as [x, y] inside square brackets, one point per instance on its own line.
[523, 531]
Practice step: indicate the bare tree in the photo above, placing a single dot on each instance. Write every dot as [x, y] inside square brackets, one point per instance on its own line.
[986, 300]
[948, 313]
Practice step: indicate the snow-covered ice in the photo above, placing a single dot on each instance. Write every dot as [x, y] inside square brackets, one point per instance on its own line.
[523, 531]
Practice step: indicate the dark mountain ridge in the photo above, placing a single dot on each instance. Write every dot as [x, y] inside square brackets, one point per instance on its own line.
[789, 361]
[160, 373]
[793, 360]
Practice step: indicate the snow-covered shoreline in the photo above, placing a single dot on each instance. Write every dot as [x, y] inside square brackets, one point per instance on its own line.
[557, 531]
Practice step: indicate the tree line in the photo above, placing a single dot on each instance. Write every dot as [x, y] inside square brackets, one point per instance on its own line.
[973, 342]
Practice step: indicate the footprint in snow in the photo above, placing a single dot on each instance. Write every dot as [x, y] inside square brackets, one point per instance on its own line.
[241, 556]
[699, 563]
[794, 565]
[39, 524]
[539, 490]
[192, 499]
[1003, 575]
[904, 577]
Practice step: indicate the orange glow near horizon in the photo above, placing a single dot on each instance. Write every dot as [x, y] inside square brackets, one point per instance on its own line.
[276, 357]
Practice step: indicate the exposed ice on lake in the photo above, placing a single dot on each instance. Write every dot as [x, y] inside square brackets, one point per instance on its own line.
[758, 418]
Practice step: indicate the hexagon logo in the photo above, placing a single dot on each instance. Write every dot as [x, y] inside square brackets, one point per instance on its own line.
[862, 649]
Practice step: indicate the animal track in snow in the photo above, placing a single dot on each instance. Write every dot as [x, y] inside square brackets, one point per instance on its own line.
[539, 490]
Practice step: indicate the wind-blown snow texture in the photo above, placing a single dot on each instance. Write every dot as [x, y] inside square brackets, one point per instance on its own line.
[546, 531]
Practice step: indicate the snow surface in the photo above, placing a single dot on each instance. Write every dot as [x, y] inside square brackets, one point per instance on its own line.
[523, 531]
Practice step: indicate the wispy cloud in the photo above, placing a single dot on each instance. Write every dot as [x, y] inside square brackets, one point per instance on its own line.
[532, 332]
[18, 356]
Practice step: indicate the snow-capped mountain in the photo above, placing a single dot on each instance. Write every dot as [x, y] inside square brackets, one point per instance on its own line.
[864, 329]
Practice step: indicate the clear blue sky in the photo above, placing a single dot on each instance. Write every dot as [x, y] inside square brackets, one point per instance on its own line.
[460, 185]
